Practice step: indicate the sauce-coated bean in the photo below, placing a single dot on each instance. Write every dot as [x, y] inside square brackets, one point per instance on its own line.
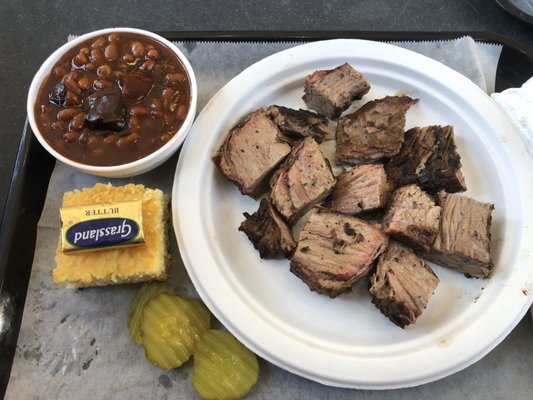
[137, 48]
[70, 136]
[71, 99]
[100, 84]
[72, 85]
[84, 83]
[97, 56]
[99, 43]
[67, 114]
[80, 59]
[152, 54]
[139, 111]
[111, 52]
[77, 122]
[104, 70]
[113, 37]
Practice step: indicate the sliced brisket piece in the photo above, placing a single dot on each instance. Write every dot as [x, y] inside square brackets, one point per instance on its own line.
[402, 284]
[335, 251]
[428, 157]
[364, 188]
[412, 218]
[463, 241]
[298, 124]
[302, 181]
[373, 132]
[330, 92]
[268, 232]
[251, 152]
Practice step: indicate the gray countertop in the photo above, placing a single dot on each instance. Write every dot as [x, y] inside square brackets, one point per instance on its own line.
[30, 31]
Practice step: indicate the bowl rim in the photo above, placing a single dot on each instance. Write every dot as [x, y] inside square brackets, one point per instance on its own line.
[45, 69]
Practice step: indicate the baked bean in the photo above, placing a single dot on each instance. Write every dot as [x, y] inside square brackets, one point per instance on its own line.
[104, 70]
[148, 65]
[111, 52]
[152, 54]
[89, 67]
[66, 114]
[59, 72]
[182, 111]
[100, 84]
[85, 50]
[71, 99]
[137, 48]
[82, 138]
[79, 60]
[128, 140]
[77, 122]
[139, 111]
[156, 104]
[128, 58]
[99, 43]
[156, 114]
[110, 138]
[134, 123]
[166, 96]
[70, 75]
[174, 77]
[72, 85]
[59, 125]
[97, 56]
[84, 83]
[70, 136]
[113, 37]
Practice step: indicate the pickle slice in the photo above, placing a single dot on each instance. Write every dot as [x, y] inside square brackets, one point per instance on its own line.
[144, 295]
[224, 368]
[171, 327]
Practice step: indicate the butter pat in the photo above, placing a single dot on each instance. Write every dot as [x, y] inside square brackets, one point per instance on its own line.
[101, 226]
[118, 264]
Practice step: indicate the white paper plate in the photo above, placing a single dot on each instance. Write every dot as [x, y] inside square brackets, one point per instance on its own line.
[346, 341]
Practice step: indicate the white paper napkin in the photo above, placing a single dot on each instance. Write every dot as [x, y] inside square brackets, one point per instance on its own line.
[518, 104]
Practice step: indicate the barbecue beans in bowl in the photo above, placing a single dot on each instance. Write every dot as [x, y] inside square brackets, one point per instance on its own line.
[115, 102]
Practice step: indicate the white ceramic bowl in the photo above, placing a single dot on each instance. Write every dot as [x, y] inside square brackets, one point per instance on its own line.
[137, 167]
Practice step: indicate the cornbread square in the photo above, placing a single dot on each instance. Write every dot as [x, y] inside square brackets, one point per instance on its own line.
[119, 265]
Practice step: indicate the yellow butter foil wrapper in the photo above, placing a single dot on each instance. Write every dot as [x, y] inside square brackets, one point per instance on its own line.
[101, 226]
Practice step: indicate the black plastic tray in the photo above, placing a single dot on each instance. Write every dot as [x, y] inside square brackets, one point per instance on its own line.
[34, 165]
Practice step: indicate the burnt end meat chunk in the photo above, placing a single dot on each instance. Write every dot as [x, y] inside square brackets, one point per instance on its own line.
[251, 152]
[428, 157]
[412, 218]
[330, 92]
[302, 181]
[373, 132]
[298, 124]
[463, 240]
[268, 232]
[335, 251]
[362, 189]
[106, 112]
[402, 284]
